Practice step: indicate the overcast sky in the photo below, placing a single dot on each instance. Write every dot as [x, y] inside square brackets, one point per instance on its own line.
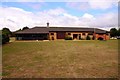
[87, 13]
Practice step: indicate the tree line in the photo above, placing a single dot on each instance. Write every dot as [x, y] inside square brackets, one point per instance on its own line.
[6, 34]
[114, 32]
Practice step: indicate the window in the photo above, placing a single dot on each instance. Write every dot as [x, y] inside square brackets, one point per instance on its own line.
[69, 33]
[52, 33]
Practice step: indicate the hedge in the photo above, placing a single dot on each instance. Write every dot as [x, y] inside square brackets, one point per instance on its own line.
[68, 38]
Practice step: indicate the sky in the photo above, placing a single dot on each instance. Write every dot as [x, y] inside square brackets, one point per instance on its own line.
[17, 14]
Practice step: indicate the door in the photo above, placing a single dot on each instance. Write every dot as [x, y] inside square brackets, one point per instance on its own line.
[75, 36]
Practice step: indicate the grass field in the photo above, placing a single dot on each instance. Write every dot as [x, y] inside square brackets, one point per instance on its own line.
[69, 59]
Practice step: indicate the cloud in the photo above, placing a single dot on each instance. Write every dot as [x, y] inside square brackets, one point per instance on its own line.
[88, 16]
[78, 5]
[33, 5]
[57, 11]
[93, 4]
[108, 19]
[103, 4]
[22, 1]
[105, 21]
[44, 0]
[16, 18]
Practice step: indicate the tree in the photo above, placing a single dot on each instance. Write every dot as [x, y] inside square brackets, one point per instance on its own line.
[25, 28]
[68, 38]
[6, 31]
[13, 33]
[118, 32]
[113, 32]
[18, 30]
[5, 38]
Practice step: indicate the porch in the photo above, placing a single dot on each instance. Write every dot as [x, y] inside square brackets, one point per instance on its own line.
[32, 37]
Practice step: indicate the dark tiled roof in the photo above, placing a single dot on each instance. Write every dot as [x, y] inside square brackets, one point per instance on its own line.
[100, 31]
[34, 30]
[69, 29]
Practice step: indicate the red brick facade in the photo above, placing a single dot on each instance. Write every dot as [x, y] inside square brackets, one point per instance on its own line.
[104, 36]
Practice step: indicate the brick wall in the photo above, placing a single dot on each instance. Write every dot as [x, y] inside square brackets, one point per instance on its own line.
[104, 36]
[52, 36]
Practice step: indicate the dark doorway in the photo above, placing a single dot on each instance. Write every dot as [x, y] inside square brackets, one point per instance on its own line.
[60, 35]
[100, 38]
[75, 36]
[79, 36]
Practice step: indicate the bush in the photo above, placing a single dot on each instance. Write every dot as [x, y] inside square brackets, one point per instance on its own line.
[82, 39]
[88, 37]
[68, 38]
[6, 33]
[93, 38]
[5, 39]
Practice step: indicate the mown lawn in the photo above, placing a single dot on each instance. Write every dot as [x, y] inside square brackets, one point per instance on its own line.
[69, 59]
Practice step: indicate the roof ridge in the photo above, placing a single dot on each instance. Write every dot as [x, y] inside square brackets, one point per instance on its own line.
[61, 27]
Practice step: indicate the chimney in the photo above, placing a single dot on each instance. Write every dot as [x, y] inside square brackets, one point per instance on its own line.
[48, 24]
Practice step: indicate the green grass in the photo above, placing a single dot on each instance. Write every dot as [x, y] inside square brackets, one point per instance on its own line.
[61, 59]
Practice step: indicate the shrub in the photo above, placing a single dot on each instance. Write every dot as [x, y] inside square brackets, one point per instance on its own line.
[68, 38]
[88, 37]
[5, 34]
[81, 39]
[93, 38]
[5, 39]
